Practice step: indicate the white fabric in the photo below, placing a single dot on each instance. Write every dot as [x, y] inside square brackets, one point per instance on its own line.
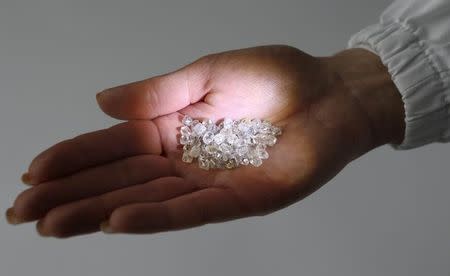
[413, 41]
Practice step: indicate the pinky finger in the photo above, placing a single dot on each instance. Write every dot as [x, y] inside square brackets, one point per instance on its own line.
[198, 208]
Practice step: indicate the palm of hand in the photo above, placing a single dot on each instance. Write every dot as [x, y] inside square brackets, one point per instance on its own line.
[132, 174]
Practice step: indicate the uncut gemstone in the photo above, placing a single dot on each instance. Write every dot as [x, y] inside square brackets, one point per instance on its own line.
[187, 121]
[276, 131]
[256, 123]
[245, 161]
[209, 124]
[271, 140]
[208, 137]
[212, 164]
[241, 151]
[195, 151]
[187, 158]
[184, 140]
[210, 149]
[199, 129]
[218, 155]
[263, 154]
[224, 157]
[219, 138]
[232, 139]
[227, 145]
[203, 163]
[231, 164]
[185, 130]
[225, 148]
[256, 162]
[227, 123]
[244, 127]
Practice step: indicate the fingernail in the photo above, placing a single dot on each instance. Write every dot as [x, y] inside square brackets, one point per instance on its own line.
[113, 92]
[106, 228]
[99, 94]
[39, 229]
[12, 218]
[26, 178]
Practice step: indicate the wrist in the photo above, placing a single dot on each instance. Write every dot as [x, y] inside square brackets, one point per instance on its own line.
[370, 83]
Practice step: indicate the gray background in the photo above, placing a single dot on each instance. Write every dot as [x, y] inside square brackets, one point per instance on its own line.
[385, 214]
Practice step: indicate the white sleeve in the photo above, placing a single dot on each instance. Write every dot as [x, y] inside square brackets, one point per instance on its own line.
[413, 41]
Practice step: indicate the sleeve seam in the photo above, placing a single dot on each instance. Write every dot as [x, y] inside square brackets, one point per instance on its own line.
[439, 75]
[428, 54]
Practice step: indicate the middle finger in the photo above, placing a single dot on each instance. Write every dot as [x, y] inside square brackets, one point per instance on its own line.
[33, 203]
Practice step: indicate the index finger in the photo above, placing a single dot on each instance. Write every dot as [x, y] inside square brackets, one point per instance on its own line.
[157, 96]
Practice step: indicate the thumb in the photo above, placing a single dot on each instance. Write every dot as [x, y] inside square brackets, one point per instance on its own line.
[156, 96]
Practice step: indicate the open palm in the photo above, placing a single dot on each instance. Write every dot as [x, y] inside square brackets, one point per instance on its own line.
[131, 177]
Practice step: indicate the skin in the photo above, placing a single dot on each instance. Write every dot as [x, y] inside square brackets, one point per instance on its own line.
[130, 179]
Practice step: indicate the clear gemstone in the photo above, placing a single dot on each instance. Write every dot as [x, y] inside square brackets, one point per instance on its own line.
[271, 140]
[185, 130]
[218, 155]
[213, 164]
[276, 131]
[231, 164]
[227, 123]
[210, 149]
[256, 123]
[232, 139]
[225, 148]
[225, 157]
[259, 139]
[187, 121]
[186, 158]
[185, 140]
[245, 161]
[219, 138]
[195, 151]
[203, 163]
[199, 129]
[256, 162]
[209, 124]
[247, 140]
[262, 153]
[241, 151]
[244, 127]
[208, 137]
[229, 144]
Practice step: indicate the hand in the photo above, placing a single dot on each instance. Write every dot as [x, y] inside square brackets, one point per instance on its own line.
[131, 178]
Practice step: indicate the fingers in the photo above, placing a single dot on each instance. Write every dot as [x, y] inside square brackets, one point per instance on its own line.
[85, 216]
[35, 202]
[194, 209]
[95, 148]
[157, 96]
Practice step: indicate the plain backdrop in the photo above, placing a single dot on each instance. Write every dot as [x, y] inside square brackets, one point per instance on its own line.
[386, 213]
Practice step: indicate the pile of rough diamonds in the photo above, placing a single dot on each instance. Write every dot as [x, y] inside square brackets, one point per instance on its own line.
[227, 145]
